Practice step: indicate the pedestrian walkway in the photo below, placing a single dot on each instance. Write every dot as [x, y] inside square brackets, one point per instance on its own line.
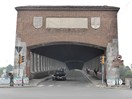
[98, 83]
[32, 83]
[93, 79]
[15, 86]
[35, 82]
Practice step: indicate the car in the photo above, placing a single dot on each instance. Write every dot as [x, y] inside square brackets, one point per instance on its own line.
[59, 75]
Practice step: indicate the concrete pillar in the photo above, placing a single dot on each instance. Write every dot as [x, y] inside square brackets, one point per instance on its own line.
[43, 63]
[35, 62]
[46, 64]
[38, 62]
[31, 62]
[111, 54]
[41, 58]
[51, 61]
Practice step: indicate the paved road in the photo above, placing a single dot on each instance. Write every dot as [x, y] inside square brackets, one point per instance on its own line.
[71, 92]
[76, 87]
[74, 78]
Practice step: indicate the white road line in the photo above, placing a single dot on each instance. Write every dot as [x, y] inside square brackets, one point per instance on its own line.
[40, 85]
[50, 85]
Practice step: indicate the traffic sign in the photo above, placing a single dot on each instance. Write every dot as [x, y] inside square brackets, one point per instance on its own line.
[18, 48]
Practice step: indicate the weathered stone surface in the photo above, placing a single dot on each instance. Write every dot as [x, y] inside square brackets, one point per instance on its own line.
[112, 53]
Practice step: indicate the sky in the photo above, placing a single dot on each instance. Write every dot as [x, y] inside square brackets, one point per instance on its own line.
[8, 18]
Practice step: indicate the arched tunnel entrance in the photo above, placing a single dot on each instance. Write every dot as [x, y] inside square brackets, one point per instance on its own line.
[73, 55]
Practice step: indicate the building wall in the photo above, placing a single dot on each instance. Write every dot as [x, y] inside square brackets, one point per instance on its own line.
[35, 37]
[99, 37]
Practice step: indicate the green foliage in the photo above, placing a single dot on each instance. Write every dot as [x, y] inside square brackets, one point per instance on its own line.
[128, 74]
[125, 72]
[8, 69]
[1, 70]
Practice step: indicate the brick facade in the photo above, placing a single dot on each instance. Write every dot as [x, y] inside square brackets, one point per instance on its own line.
[37, 37]
[100, 37]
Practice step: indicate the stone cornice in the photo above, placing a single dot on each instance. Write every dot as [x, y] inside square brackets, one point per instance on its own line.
[67, 8]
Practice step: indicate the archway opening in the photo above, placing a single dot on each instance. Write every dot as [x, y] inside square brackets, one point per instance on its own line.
[73, 55]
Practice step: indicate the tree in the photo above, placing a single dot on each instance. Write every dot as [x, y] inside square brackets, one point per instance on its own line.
[9, 68]
[1, 70]
[125, 72]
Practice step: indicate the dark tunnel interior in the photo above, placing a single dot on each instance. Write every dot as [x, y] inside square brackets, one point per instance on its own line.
[73, 55]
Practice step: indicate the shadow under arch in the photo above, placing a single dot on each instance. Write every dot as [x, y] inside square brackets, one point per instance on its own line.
[74, 54]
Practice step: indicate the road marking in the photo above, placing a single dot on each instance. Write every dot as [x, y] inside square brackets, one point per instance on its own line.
[50, 85]
[40, 85]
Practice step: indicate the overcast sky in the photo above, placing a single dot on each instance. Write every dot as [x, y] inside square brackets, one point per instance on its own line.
[8, 16]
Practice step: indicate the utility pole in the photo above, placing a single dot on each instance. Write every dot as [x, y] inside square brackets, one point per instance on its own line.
[18, 49]
[102, 63]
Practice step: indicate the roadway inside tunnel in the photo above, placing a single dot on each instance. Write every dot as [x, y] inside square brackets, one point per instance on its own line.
[73, 55]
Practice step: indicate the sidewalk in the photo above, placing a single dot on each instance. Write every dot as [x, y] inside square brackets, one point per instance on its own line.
[95, 81]
[32, 83]
[35, 82]
[15, 86]
[98, 83]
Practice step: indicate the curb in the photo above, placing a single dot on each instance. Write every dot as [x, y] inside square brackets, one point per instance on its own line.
[15, 86]
[35, 82]
[32, 83]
